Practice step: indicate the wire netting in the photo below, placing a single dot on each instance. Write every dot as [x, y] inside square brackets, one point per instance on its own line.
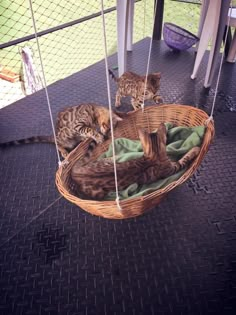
[70, 38]
[184, 13]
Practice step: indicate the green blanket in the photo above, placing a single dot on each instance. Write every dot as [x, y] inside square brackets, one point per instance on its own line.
[179, 141]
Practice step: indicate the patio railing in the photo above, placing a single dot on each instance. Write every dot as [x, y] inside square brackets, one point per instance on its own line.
[70, 36]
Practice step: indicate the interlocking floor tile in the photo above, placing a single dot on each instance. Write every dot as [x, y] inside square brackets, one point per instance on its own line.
[179, 258]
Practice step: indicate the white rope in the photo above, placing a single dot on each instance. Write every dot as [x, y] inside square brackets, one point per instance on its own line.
[110, 107]
[44, 80]
[220, 68]
[30, 221]
[149, 55]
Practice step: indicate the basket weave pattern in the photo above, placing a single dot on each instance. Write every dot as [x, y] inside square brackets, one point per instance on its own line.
[150, 119]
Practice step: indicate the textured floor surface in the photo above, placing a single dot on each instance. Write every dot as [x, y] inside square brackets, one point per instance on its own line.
[179, 258]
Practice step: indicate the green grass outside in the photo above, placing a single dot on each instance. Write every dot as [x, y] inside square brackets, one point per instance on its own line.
[72, 49]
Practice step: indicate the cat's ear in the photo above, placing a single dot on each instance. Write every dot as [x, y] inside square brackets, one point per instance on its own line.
[148, 144]
[145, 141]
[143, 135]
[158, 75]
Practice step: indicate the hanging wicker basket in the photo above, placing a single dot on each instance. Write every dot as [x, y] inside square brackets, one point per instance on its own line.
[180, 115]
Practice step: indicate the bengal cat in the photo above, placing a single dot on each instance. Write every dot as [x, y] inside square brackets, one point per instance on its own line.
[75, 124]
[95, 179]
[132, 84]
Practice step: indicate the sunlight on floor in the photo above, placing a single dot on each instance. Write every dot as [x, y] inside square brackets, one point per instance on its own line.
[9, 92]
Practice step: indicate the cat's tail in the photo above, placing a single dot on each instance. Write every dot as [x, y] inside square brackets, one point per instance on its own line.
[37, 139]
[113, 75]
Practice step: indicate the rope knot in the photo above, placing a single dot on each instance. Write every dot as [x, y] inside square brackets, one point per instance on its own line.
[209, 120]
[118, 203]
[63, 163]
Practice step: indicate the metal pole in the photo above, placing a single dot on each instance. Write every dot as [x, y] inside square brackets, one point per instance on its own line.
[158, 19]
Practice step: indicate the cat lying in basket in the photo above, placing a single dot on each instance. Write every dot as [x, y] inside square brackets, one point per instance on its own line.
[75, 124]
[132, 84]
[95, 179]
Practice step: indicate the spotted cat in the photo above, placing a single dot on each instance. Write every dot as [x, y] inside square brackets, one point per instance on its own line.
[75, 124]
[95, 179]
[132, 84]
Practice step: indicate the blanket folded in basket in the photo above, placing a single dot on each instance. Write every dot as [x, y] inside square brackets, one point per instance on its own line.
[179, 141]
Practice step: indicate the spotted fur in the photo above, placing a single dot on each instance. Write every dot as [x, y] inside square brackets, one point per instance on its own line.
[95, 179]
[132, 84]
[75, 124]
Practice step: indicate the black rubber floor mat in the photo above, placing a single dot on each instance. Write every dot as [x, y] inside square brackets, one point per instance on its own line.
[180, 258]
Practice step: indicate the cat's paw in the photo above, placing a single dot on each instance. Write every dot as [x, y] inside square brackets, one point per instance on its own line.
[158, 99]
[64, 153]
[99, 138]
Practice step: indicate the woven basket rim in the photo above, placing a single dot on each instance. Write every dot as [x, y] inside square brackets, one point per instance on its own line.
[88, 204]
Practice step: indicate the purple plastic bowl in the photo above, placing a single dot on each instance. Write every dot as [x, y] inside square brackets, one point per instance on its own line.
[178, 38]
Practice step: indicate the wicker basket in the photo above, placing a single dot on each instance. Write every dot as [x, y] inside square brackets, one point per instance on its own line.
[181, 115]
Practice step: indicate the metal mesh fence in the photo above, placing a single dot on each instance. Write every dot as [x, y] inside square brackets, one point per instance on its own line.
[184, 13]
[71, 38]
